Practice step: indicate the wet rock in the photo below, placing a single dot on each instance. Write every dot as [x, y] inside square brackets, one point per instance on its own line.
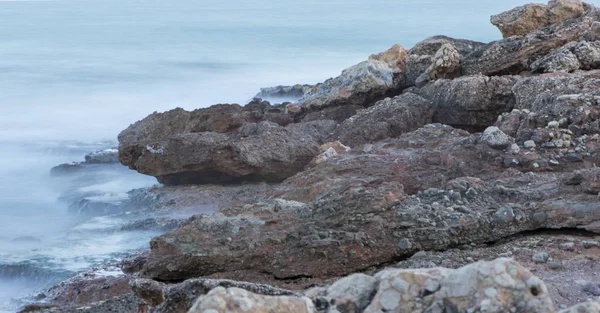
[390, 117]
[231, 300]
[524, 19]
[106, 156]
[495, 138]
[263, 152]
[284, 93]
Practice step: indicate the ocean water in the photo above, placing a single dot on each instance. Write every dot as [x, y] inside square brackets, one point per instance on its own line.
[74, 73]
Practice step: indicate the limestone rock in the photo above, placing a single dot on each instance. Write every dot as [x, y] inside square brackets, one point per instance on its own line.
[232, 300]
[444, 64]
[497, 286]
[527, 18]
[361, 84]
[355, 290]
[514, 55]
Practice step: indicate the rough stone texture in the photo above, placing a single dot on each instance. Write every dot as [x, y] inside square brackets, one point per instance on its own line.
[329, 150]
[331, 220]
[420, 57]
[390, 117]
[356, 290]
[179, 298]
[495, 138]
[524, 19]
[121, 304]
[361, 84]
[444, 64]
[263, 151]
[570, 99]
[484, 286]
[473, 101]
[232, 300]
[570, 57]
[514, 55]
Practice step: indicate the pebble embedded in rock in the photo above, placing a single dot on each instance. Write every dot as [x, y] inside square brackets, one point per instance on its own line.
[567, 246]
[529, 144]
[495, 138]
[540, 257]
[587, 244]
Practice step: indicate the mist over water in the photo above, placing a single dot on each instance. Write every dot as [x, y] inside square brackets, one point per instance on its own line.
[74, 73]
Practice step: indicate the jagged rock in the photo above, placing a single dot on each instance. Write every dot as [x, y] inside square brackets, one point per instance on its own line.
[220, 118]
[361, 84]
[495, 138]
[336, 113]
[329, 150]
[420, 57]
[473, 101]
[179, 298]
[444, 64]
[232, 300]
[497, 286]
[390, 117]
[570, 57]
[263, 151]
[355, 290]
[342, 204]
[514, 55]
[284, 93]
[524, 19]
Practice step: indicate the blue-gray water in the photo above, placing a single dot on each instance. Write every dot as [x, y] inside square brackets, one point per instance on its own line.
[75, 73]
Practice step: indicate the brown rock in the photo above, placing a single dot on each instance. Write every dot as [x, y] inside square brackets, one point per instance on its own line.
[444, 64]
[524, 19]
[390, 117]
[263, 151]
[514, 55]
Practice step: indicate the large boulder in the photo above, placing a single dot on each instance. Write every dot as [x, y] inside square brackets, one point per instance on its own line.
[420, 57]
[498, 286]
[524, 19]
[390, 117]
[471, 101]
[255, 152]
[514, 55]
[328, 219]
[361, 84]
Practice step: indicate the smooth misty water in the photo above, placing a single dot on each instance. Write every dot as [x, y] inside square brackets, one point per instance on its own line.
[75, 73]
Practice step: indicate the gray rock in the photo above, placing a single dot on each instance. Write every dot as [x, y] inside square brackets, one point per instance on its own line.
[567, 246]
[587, 244]
[357, 288]
[540, 257]
[495, 138]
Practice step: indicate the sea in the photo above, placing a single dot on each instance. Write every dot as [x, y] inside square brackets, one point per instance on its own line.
[74, 73]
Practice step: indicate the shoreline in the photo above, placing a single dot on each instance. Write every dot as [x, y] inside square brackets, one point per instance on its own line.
[453, 154]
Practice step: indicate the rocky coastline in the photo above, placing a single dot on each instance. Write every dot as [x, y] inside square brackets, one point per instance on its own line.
[456, 176]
